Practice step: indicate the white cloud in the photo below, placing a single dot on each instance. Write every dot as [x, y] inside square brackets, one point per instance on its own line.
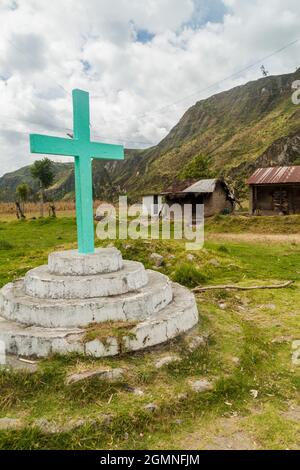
[49, 48]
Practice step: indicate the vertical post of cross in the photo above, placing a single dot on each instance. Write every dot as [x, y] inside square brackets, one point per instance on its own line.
[83, 174]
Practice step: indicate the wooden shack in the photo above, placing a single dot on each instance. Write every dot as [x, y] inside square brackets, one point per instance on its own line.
[214, 194]
[275, 190]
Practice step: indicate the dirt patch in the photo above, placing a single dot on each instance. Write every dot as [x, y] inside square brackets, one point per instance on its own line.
[229, 435]
[254, 237]
[293, 414]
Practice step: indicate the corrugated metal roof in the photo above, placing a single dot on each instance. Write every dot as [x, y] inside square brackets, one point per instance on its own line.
[276, 175]
[202, 186]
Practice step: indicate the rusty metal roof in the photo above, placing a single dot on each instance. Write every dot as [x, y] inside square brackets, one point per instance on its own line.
[276, 175]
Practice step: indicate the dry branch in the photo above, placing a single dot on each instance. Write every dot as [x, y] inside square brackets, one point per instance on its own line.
[232, 287]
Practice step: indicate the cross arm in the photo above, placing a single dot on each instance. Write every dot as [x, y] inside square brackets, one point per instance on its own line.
[52, 145]
[106, 151]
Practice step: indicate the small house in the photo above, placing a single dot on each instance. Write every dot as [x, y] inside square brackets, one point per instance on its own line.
[214, 194]
[275, 190]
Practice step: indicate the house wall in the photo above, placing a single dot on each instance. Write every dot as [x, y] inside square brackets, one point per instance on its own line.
[214, 203]
[217, 202]
[149, 207]
[264, 199]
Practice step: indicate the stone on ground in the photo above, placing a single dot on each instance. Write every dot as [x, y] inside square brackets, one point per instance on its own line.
[8, 424]
[157, 259]
[151, 407]
[201, 386]
[164, 361]
[197, 342]
[103, 374]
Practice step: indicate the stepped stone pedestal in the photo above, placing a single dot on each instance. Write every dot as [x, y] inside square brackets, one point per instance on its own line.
[55, 307]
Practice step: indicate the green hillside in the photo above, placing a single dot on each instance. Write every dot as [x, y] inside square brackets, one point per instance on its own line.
[63, 182]
[251, 125]
[237, 130]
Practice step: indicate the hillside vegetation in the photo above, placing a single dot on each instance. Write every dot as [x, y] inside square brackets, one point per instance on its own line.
[251, 125]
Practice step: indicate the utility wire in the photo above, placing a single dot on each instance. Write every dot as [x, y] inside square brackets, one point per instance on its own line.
[162, 109]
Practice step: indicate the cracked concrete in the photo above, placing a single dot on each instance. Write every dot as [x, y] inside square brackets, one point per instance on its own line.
[46, 313]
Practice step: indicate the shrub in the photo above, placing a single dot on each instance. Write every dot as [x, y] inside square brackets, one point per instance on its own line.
[4, 245]
[188, 275]
[223, 249]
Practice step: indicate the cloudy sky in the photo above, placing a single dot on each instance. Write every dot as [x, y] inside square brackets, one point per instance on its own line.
[144, 62]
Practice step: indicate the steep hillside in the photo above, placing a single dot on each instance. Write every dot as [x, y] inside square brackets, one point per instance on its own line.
[251, 125]
[62, 185]
[237, 130]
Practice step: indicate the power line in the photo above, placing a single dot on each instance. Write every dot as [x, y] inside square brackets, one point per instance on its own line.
[213, 85]
[141, 116]
[43, 131]
[31, 59]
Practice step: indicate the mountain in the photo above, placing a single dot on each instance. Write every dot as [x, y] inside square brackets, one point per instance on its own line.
[63, 182]
[237, 130]
[252, 125]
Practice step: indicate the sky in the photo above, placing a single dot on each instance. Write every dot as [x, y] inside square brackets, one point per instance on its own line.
[144, 63]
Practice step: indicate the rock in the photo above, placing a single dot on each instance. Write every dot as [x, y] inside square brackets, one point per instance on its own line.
[197, 342]
[164, 361]
[45, 426]
[157, 259]
[214, 262]
[7, 424]
[15, 363]
[223, 306]
[103, 374]
[201, 386]
[190, 257]
[236, 360]
[138, 392]
[296, 353]
[107, 419]
[151, 407]
[52, 427]
[182, 396]
[254, 393]
[135, 391]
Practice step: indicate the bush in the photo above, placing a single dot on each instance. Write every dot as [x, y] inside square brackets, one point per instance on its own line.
[189, 276]
[4, 245]
[223, 249]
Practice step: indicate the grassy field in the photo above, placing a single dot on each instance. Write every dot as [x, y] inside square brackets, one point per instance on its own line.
[255, 402]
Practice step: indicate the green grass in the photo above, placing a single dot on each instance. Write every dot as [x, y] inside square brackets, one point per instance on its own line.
[189, 276]
[257, 327]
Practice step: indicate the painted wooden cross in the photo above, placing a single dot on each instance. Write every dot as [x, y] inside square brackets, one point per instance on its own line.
[84, 151]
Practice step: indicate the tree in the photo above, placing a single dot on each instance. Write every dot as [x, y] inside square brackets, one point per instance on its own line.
[22, 192]
[42, 170]
[198, 168]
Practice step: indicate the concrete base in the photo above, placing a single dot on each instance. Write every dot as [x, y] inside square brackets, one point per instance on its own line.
[72, 263]
[15, 305]
[47, 313]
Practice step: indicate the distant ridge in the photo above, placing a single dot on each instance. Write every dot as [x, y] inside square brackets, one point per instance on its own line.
[238, 130]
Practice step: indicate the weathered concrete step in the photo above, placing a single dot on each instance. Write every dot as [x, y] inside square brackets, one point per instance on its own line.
[39, 282]
[15, 305]
[72, 263]
[178, 317]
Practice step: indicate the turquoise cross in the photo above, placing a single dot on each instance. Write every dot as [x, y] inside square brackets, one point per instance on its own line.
[84, 151]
